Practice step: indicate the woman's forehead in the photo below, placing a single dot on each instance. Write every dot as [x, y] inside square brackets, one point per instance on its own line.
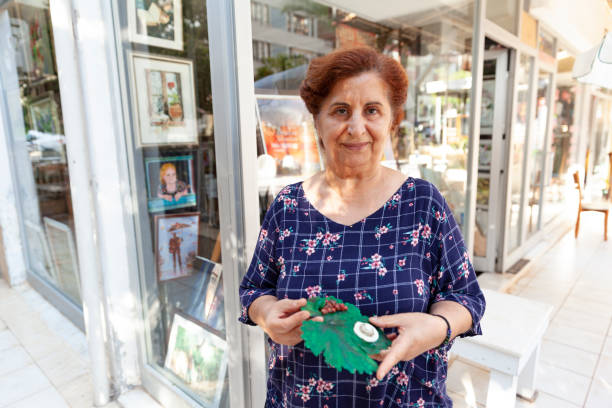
[366, 87]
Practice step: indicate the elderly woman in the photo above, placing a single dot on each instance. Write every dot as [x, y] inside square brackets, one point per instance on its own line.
[367, 235]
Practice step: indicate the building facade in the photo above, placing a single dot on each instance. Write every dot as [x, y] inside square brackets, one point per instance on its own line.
[142, 141]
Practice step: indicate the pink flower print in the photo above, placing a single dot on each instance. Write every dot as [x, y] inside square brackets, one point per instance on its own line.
[395, 292]
[287, 201]
[428, 384]
[376, 257]
[296, 268]
[410, 204]
[341, 277]
[329, 258]
[313, 291]
[294, 202]
[420, 285]
[328, 235]
[281, 260]
[396, 197]
[415, 233]
[319, 235]
[415, 241]
[421, 402]
[426, 231]
[375, 264]
[377, 235]
[438, 215]
[286, 233]
[335, 237]
[310, 251]
[428, 255]
[383, 229]
[311, 243]
[328, 386]
[395, 370]
[260, 267]
[320, 389]
[263, 234]
[382, 271]
[410, 185]
[312, 382]
[305, 397]
[326, 242]
[450, 237]
[464, 266]
[358, 296]
[373, 381]
[402, 379]
[402, 262]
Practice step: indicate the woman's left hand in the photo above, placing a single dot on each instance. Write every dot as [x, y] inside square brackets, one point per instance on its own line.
[416, 334]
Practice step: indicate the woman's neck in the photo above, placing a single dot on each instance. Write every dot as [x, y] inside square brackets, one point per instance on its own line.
[350, 184]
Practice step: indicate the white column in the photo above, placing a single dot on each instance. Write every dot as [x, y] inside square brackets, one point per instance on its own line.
[527, 378]
[502, 390]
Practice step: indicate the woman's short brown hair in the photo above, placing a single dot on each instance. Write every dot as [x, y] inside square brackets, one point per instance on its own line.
[324, 72]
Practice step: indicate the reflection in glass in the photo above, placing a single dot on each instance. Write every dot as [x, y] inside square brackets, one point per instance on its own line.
[31, 88]
[431, 40]
[167, 76]
[517, 149]
[536, 152]
[504, 13]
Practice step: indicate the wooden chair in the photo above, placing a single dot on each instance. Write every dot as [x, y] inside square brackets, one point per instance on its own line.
[599, 207]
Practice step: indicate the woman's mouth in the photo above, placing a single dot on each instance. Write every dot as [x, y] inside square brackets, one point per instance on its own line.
[355, 146]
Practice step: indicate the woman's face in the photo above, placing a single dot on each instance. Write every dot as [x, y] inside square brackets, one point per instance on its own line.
[170, 176]
[354, 122]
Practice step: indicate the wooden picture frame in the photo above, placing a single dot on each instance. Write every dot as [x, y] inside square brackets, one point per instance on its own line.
[176, 244]
[64, 255]
[164, 100]
[159, 197]
[159, 24]
[198, 357]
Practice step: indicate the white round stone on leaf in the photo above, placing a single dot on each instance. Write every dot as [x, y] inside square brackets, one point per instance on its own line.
[366, 331]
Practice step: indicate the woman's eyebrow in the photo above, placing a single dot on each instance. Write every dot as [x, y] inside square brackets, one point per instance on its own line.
[343, 104]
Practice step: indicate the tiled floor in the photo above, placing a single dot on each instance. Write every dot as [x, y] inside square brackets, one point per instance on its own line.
[44, 360]
[575, 370]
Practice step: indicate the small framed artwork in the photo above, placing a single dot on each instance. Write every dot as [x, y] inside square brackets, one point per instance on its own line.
[198, 357]
[170, 182]
[485, 154]
[156, 22]
[64, 256]
[176, 244]
[164, 100]
[44, 115]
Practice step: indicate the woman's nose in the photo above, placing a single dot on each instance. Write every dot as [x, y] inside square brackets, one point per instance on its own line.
[356, 125]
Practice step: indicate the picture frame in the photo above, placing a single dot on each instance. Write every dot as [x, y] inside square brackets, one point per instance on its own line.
[288, 133]
[176, 244]
[44, 114]
[485, 154]
[161, 173]
[64, 256]
[198, 357]
[40, 250]
[158, 23]
[487, 105]
[164, 99]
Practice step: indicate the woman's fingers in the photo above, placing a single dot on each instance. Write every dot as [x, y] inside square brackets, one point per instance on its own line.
[290, 306]
[386, 321]
[391, 358]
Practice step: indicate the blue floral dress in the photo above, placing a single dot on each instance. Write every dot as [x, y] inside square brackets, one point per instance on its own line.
[402, 258]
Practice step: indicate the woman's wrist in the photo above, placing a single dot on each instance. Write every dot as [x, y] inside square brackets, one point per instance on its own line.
[439, 330]
[257, 310]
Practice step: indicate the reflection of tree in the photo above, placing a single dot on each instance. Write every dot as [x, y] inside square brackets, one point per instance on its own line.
[280, 63]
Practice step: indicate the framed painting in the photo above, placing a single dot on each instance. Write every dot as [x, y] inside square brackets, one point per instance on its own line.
[288, 134]
[156, 22]
[176, 244]
[44, 115]
[64, 256]
[164, 100]
[170, 182]
[198, 357]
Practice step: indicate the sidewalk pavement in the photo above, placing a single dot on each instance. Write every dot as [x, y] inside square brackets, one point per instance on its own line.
[575, 368]
[44, 360]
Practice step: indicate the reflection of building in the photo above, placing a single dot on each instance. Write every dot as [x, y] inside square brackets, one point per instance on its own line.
[506, 177]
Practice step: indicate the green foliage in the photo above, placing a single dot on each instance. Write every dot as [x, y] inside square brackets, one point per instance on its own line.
[335, 338]
[280, 63]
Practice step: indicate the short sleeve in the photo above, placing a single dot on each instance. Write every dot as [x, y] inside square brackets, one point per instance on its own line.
[262, 275]
[454, 277]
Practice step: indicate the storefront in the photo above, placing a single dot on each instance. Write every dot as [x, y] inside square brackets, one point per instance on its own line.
[145, 139]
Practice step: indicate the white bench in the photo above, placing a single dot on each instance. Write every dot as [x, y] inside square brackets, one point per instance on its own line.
[512, 329]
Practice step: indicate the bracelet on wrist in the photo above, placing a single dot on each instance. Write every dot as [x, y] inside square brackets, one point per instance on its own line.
[447, 339]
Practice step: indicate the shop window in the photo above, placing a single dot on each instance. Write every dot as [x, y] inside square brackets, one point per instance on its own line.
[504, 13]
[520, 125]
[536, 152]
[170, 135]
[29, 81]
[558, 183]
[432, 140]
[261, 50]
[259, 13]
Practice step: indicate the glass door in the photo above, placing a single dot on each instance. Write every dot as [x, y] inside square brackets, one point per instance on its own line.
[490, 159]
[37, 144]
[164, 57]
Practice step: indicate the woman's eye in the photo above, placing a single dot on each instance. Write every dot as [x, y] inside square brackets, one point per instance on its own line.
[341, 111]
[372, 110]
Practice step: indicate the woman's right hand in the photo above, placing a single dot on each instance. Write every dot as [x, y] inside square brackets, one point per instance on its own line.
[280, 319]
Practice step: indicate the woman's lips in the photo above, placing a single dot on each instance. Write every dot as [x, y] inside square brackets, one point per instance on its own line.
[355, 146]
